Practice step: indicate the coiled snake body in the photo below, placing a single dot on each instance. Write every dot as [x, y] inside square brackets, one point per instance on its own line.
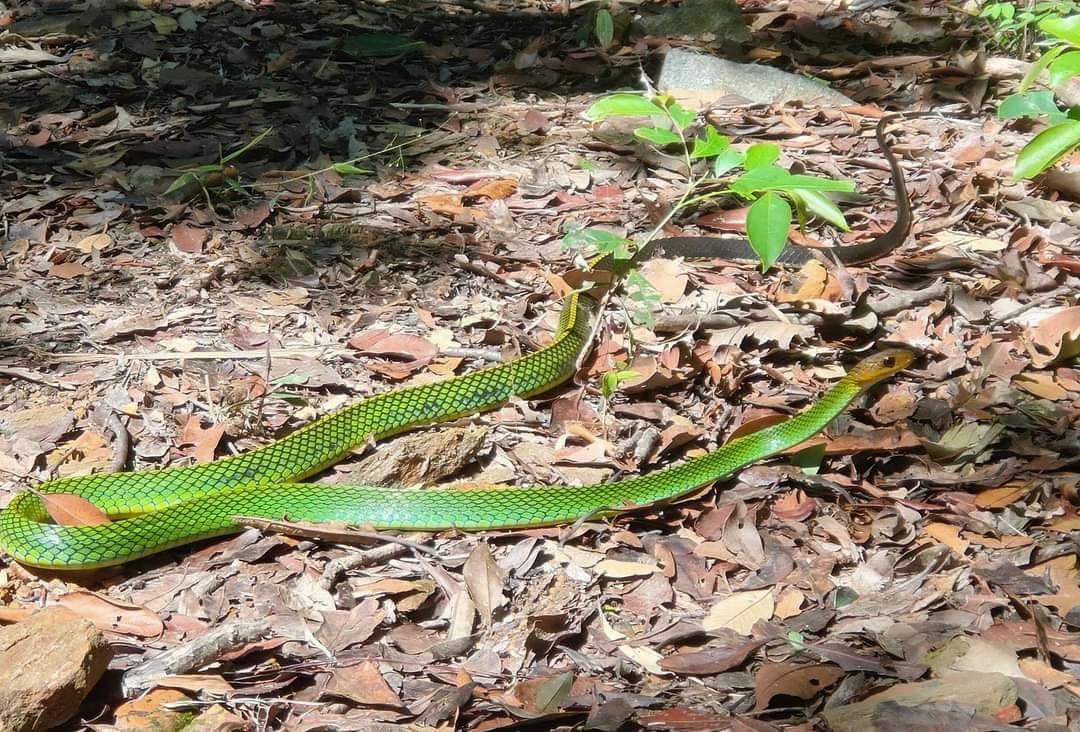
[157, 510]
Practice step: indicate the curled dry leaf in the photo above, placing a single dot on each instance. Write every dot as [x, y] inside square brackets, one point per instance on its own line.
[109, 614]
[1055, 338]
[793, 506]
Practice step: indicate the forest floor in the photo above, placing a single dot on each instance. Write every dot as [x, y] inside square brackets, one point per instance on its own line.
[924, 546]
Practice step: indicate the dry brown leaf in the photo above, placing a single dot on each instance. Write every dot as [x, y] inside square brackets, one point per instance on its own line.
[948, 535]
[616, 569]
[711, 660]
[668, 277]
[793, 505]
[893, 407]
[1046, 674]
[210, 683]
[485, 581]
[148, 712]
[109, 614]
[94, 243]
[217, 718]
[756, 425]
[1063, 573]
[450, 204]
[188, 239]
[742, 539]
[1056, 337]
[1065, 524]
[363, 684]
[1041, 385]
[388, 586]
[790, 679]
[765, 332]
[887, 439]
[740, 610]
[494, 189]
[204, 441]
[789, 603]
[68, 270]
[400, 345]
[68, 509]
[1004, 495]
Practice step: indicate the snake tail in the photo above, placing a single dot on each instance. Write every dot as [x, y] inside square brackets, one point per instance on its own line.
[27, 537]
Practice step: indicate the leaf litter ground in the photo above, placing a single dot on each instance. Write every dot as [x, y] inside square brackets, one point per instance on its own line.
[916, 562]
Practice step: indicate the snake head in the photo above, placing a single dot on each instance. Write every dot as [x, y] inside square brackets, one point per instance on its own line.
[878, 366]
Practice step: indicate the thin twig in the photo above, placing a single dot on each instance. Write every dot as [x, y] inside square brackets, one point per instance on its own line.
[33, 376]
[195, 654]
[323, 532]
[379, 555]
[121, 443]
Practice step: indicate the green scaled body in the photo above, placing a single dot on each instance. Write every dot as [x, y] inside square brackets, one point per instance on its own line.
[158, 510]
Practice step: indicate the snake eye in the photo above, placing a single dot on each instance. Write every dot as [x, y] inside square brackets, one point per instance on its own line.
[889, 361]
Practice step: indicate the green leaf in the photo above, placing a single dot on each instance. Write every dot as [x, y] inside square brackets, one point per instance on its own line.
[822, 206]
[767, 224]
[290, 379]
[713, 144]
[180, 183]
[657, 136]
[189, 20]
[379, 44]
[1039, 66]
[1066, 28]
[644, 296]
[1046, 148]
[601, 240]
[1028, 104]
[604, 28]
[622, 105]
[813, 183]
[761, 154]
[844, 596]
[553, 691]
[808, 460]
[164, 24]
[760, 179]
[240, 151]
[1064, 67]
[682, 117]
[727, 161]
[349, 169]
[998, 11]
[610, 380]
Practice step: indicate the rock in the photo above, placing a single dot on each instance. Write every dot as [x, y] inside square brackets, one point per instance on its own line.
[48, 664]
[720, 18]
[698, 80]
[977, 693]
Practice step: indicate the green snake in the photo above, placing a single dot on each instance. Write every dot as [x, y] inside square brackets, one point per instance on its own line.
[157, 510]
